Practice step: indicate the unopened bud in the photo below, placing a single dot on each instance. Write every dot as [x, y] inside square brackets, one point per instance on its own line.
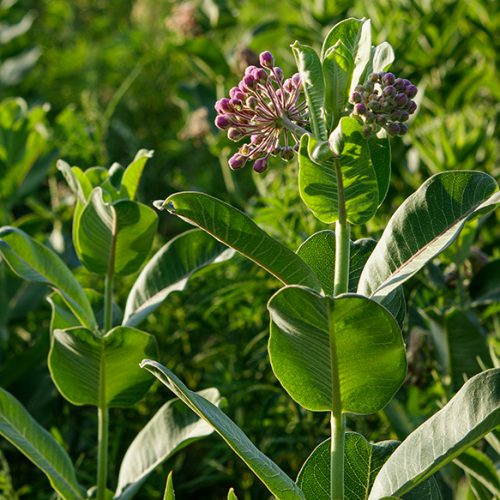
[356, 97]
[286, 153]
[411, 91]
[389, 91]
[403, 129]
[260, 165]
[236, 161]
[234, 134]
[373, 78]
[278, 73]
[360, 109]
[223, 106]
[266, 59]
[401, 99]
[411, 107]
[393, 128]
[250, 69]
[223, 122]
[388, 79]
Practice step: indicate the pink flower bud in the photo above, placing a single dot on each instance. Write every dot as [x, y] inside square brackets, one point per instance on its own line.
[266, 59]
[260, 165]
[236, 161]
[223, 106]
[223, 122]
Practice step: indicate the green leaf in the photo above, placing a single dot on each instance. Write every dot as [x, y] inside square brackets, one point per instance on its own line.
[74, 181]
[231, 495]
[318, 182]
[33, 262]
[355, 34]
[169, 488]
[172, 428]
[480, 466]
[132, 175]
[28, 436]
[382, 57]
[424, 225]
[459, 342]
[236, 230]
[264, 468]
[79, 358]
[311, 75]
[485, 286]
[62, 317]
[328, 352]
[469, 415]
[118, 235]
[318, 252]
[338, 66]
[170, 269]
[380, 156]
[362, 462]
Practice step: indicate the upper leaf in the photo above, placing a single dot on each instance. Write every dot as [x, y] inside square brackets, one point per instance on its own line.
[172, 428]
[170, 269]
[133, 172]
[424, 225]
[469, 415]
[79, 361]
[34, 262]
[263, 467]
[238, 231]
[28, 436]
[115, 236]
[329, 352]
[318, 180]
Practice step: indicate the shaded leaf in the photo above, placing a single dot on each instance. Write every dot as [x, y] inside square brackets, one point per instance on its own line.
[482, 468]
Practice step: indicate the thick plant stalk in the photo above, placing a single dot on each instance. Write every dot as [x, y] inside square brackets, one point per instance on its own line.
[341, 282]
[102, 411]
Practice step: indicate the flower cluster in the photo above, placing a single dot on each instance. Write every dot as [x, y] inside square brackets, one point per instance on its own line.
[384, 101]
[266, 108]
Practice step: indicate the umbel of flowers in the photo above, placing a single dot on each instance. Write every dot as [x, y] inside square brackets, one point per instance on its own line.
[271, 111]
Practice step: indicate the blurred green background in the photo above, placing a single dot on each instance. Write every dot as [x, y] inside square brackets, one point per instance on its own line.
[101, 79]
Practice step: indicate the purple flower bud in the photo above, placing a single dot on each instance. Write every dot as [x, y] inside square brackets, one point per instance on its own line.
[355, 97]
[266, 59]
[251, 102]
[223, 122]
[403, 129]
[248, 82]
[373, 78]
[236, 161]
[260, 165]
[234, 134]
[388, 79]
[381, 120]
[297, 81]
[250, 69]
[256, 139]
[286, 153]
[223, 106]
[368, 87]
[399, 84]
[288, 85]
[260, 75]
[359, 88]
[360, 109]
[406, 83]
[404, 116]
[235, 92]
[396, 115]
[236, 103]
[411, 107]
[401, 99]
[411, 91]
[393, 128]
[278, 74]
[389, 91]
[374, 105]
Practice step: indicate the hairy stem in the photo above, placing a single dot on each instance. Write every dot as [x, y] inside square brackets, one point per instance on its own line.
[293, 127]
[102, 410]
[340, 285]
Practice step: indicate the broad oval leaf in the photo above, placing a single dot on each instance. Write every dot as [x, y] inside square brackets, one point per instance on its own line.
[362, 462]
[328, 352]
[424, 225]
[318, 182]
[263, 467]
[117, 236]
[467, 417]
[318, 251]
[170, 269]
[236, 230]
[311, 75]
[29, 437]
[173, 427]
[79, 358]
[32, 261]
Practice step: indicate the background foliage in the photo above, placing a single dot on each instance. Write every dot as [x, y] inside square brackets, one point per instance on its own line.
[101, 79]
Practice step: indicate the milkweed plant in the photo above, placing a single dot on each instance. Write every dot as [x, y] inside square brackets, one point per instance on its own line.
[335, 340]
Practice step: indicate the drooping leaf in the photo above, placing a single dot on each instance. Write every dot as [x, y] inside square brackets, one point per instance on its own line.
[338, 66]
[326, 351]
[38, 445]
[318, 252]
[173, 427]
[311, 75]
[479, 465]
[236, 230]
[362, 462]
[170, 269]
[117, 235]
[264, 468]
[318, 181]
[79, 358]
[132, 175]
[424, 225]
[467, 417]
[32, 261]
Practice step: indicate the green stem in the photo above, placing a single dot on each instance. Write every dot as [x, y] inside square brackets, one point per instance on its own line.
[102, 410]
[340, 285]
[293, 127]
